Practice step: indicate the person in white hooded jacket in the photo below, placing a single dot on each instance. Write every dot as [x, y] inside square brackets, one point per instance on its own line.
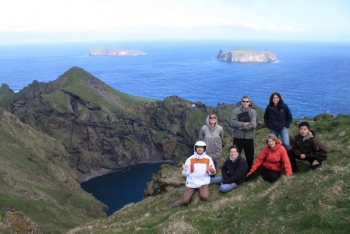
[197, 170]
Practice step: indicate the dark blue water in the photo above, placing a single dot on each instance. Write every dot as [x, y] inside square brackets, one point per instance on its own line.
[121, 187]
[313, 77]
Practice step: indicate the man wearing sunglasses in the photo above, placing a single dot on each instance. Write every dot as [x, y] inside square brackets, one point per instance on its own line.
[243, 121]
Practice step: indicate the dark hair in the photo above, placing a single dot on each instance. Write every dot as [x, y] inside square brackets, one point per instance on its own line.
[278, 95]
[304, 123]
[233, 147]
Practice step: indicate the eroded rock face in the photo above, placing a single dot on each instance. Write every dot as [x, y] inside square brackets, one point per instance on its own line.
[246, 54]
[101, 132]
[99, 51]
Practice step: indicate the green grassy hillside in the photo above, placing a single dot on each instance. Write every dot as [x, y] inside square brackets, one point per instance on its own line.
[309, 202]
[38, 189]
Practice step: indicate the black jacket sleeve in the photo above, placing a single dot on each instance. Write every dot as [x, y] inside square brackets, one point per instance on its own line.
[239, 173]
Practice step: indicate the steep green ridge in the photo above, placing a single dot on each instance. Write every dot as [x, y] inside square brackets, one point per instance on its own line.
[39, 192]
[104, 129]
[76, 127]
[309, 202]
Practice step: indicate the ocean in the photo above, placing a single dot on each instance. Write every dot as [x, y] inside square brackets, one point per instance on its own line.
[312, 77]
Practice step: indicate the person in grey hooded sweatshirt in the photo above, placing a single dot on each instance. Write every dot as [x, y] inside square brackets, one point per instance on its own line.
[212, 134]
[243, 121]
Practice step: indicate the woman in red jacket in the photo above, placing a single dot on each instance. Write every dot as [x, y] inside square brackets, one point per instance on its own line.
[270, 161]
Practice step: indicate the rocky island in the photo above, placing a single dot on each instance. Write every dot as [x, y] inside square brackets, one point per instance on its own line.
[247, 55]
[99, 51]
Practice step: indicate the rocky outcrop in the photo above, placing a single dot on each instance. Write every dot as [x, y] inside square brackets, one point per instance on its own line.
[103, 129]
[246, 54]
[98, 51]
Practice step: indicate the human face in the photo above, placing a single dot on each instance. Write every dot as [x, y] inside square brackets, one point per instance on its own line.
[271, 143]
[303, 130]
[233, 153]
[275, 100]
[212, 119]
[245, 103]
[200, 150]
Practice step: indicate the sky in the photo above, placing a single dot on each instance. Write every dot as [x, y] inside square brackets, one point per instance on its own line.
[31, 21]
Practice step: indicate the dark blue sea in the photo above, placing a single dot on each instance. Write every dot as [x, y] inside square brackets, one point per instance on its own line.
[121, 187]
[312, 77]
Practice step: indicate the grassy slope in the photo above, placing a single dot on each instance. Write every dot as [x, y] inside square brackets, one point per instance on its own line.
[309, 202]
[36, 180]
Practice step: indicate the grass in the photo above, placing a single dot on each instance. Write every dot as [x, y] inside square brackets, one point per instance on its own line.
[35, 179]
[312, 201]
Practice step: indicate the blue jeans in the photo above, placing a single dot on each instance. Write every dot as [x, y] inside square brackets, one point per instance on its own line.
[224, 188]
[284, 135]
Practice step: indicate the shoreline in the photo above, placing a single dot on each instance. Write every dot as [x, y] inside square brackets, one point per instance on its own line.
[126, 168]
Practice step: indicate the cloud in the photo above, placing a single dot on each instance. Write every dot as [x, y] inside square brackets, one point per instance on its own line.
[156, 18]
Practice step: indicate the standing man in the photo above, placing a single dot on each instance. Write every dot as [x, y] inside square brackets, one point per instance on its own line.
[212, 134]
[243, 121]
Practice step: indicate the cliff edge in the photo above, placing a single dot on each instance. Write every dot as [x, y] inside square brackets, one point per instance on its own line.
[247, 55]
[99, 51]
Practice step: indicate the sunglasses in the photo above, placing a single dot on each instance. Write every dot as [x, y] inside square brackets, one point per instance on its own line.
[212, 117]
[245, 101]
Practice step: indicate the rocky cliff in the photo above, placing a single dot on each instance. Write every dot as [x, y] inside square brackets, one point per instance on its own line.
[98, 51]
[103, 129]
[246, 54]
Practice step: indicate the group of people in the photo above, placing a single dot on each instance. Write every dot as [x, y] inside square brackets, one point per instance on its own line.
[200, 168]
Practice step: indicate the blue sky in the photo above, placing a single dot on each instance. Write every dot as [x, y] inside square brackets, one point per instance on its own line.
[24, 21]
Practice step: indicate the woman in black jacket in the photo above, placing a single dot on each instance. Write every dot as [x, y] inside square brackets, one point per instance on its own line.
[233, 172]
[277, 118]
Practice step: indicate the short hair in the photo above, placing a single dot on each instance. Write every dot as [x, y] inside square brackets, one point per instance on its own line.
[245, 96]
[304, 123]
[233, 147]
[272, 137]
[278, 95]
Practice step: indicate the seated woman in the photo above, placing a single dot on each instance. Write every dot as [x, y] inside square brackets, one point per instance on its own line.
[233, 171]
[270, 161]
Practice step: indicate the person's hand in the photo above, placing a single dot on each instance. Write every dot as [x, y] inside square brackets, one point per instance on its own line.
[302, 156]
[315, 162]
[233, 184]
[184, 166]
[209, 168]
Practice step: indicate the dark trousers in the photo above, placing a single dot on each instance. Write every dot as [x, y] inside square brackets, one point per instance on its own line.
[266, 174]
[292, 158]
[248, 146]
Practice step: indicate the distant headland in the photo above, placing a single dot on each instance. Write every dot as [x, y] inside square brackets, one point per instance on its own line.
[247, 54]
[99, 51]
